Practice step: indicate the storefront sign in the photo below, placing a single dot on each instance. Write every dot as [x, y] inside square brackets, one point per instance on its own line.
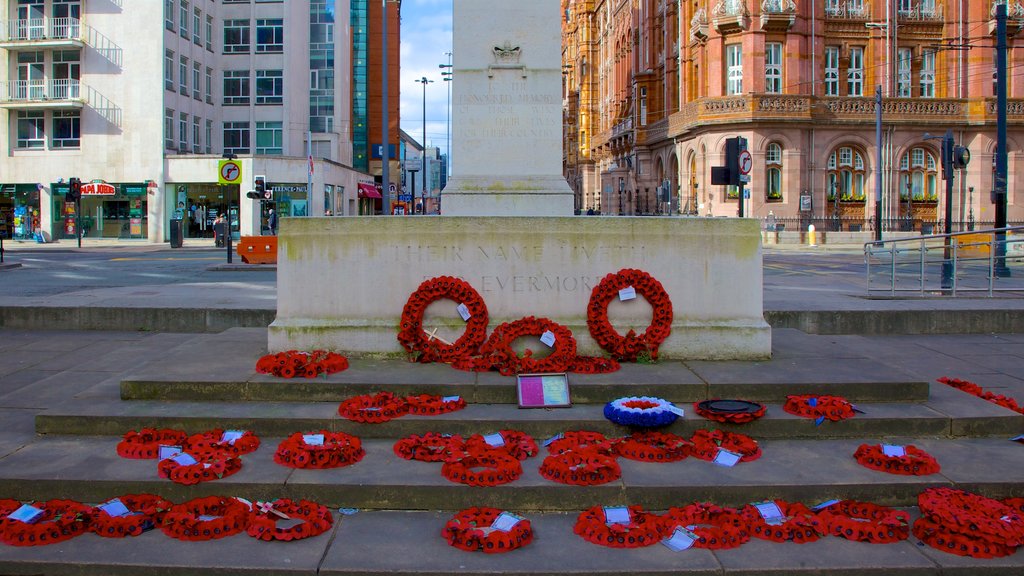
[134, 189]
[98, 189]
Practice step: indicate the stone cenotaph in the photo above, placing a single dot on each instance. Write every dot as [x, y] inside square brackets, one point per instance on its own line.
[507, 227]
[506, 94]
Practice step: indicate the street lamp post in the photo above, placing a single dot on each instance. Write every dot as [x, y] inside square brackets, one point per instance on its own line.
[423, 191]
[386, 129]
[446, 76]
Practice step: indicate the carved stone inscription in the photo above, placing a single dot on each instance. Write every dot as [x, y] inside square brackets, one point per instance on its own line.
[510, 111]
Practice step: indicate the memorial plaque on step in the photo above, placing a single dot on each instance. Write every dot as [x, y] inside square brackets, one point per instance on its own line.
[543, 391]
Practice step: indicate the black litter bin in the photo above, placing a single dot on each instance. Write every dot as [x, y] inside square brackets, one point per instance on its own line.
[218, 232]
[177, 234]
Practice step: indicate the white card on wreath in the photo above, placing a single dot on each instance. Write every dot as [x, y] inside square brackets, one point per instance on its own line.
[680, 540]
[27, 514]
[675, 410]
[313, 439]
[115, 508]
[893, 451]
[184, 459]
[726, 458]
[770, 512]
[166, 452]
[494, 440]
[627, 293]
[617, 515]
[230, 436]
[505, 521]
[207, 518]
[463, 311]
[548, 338]
[451, 398]
[554, 438]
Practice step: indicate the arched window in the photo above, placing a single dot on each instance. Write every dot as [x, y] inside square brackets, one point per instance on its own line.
[773, 172]
[919, 176]
[846, 175]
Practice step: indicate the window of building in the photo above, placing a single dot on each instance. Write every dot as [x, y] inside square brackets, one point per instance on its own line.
[197, 72]
[169, 15]
[209, 33]
[236, 137]
[197, 26]
[269, 36]
[919, 176]
[209, 85]
[67, 129]
[209, 136]
[196, 147]
[773, 173]
[269, 138]
[183, 76]
[31, 129]
[169, 129]
[169, 70]
[643, 107]
[183, 19]
[734, 60]
[928, 74]
[831, 71]
[236, 87]
[182, 132]
[773, 67]
[846, 175]
[855, 73]
[236, 36]
[906, 56]
[269, 87]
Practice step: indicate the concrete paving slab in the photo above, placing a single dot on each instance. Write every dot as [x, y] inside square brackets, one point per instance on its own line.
[153, 553]
[992, 467]
[17, 430]
[972, 416]
[834, 556]
[52, 389]
[26, 377]
[360, 549]
[791, 343]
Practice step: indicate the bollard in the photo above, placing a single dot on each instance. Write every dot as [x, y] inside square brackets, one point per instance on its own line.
[810, 235]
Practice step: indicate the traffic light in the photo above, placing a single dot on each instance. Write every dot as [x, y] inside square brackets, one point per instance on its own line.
[260, 185]
[253, 194]
[74, 190]
[961, 157]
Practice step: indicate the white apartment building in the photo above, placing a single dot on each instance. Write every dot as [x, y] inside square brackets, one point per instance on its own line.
[87, 91]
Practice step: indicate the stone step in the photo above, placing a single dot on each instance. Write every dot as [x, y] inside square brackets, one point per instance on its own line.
[388, 542]
[88, 469]
[187, 374]
[966, 416]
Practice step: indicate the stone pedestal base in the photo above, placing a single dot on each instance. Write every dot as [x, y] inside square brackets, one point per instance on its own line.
[496, 196]
[342, 282]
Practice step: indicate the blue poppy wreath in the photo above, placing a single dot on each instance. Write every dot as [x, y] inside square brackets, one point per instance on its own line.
[641, 411]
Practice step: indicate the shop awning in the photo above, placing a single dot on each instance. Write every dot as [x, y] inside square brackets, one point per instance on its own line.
[368, 190]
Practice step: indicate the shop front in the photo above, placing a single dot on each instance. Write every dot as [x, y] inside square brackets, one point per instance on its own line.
[369, 198]
[108, 211]
[198, 204]
[290, 199]
[19, 211]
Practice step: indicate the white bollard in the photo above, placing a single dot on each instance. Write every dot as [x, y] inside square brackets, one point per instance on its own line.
[810, 235]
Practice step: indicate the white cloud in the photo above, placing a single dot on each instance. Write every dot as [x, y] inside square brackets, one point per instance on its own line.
[426, 38]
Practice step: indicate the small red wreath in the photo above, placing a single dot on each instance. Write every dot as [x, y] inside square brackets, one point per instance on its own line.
[707, 443]
[316, 519]
[145, 443]
[916, 462]
[581, 468]
[211, 441]
[482, 468]
[651, 446]
[338, 449]
[865, 522]
[497, 352]
[61, 520]
[964, 512]
[293, 363]
[146, 511]
[582, 440]
[427, 348]
[431, 405]
[207, 518]
[644, 528]
[834, 408]
[629, 347]
[430, 447]
[519, 445]
[799, 524]
[208, 467]
[716, 527]
[374, 409]
[471, 530]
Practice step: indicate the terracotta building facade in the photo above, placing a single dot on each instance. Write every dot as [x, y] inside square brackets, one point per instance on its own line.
[653, 88]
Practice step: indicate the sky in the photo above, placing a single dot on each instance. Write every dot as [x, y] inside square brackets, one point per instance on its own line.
[426, 40]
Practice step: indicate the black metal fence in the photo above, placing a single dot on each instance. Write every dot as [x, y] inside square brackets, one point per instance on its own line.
[831, 224]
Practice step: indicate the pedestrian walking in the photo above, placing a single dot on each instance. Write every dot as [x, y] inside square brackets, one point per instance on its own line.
[272, 222]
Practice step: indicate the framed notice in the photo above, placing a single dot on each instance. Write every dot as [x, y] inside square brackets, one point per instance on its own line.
[543, 391]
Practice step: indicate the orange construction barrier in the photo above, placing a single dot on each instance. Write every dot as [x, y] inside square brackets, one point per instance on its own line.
[258, 249]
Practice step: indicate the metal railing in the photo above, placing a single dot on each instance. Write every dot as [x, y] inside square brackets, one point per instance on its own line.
[39, 90]
[41, 29]
[983, 262]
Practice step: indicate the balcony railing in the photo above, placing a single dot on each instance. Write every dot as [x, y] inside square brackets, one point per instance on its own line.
[922, 12]
[39, 29]
[848, 10]
[39, 91]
